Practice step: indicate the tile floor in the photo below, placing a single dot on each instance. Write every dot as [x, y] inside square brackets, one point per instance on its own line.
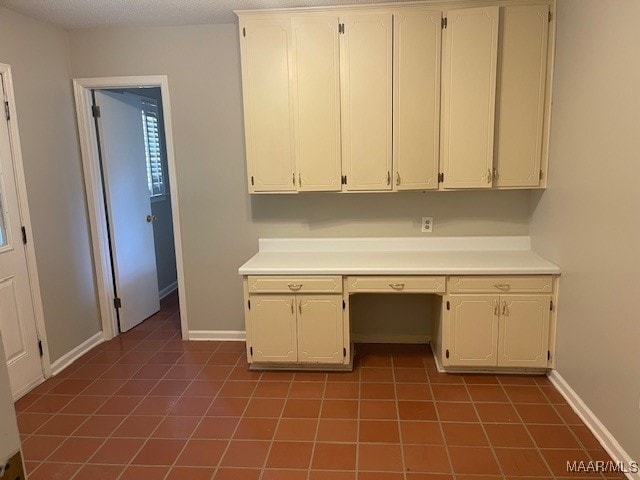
[148, 406]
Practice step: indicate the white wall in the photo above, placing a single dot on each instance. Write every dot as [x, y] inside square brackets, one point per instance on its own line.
[39, 56]
[9, 437]
[587, 220]
[221, 222]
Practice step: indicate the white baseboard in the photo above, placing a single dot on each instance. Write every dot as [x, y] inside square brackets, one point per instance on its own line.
[21, 393]
[168, 290]
[219, 335]
[71, 356]
[602, 434]
[363, 337]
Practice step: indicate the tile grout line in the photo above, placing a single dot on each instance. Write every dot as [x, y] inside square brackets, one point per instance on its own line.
[315, 438]
[395, 392]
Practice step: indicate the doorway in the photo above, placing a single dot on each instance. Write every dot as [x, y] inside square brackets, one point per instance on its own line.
[127, 149]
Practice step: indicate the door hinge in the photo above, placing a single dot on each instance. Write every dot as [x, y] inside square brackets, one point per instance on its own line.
[7, 111]
[244, 32]
[251, 351]
[444, 22]
[95, 111]
[550, 16]
[344, 352]
[448, 305]
[446, 353]
[249, 304]
[40, 348]
[341, 28]
[344, 304]
[117, 302]
[24, 235]
[440, 177]
[548, 354]
[551, 305]
[252, 180]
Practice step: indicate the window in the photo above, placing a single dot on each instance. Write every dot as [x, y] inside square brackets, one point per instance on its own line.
[153, 153]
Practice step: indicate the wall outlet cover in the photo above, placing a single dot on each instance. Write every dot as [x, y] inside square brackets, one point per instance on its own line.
[427, 224]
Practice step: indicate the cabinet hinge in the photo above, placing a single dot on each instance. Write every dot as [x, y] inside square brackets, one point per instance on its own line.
[344, 352]
[252, 180]
[24, 235]
[548, 354]
[550, 16]
[117, 303]
[551, 305]
[7, 112]
[341, 28]
[95, 111]
[244, 32]
[344, 304]
[448, 305]
[251, 351]
[444, 22]
[40, 348]
[440, 177]
[249, 304]
[446, 353]
[541, 174]
[344, 179]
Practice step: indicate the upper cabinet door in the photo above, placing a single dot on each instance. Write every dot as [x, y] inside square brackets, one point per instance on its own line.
[316, 101]
[366, 75]
[416, 98]
[265, 45]
[468, 97]
[522, 72]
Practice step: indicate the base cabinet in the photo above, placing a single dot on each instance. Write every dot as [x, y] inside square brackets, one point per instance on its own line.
[304, 329]
[497, 331]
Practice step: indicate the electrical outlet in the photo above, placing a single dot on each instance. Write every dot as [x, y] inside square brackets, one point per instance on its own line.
[427, 224]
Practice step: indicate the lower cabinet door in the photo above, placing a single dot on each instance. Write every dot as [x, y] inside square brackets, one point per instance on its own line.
[273, 329]
[320, 329]
[472, 331]
[524, 330]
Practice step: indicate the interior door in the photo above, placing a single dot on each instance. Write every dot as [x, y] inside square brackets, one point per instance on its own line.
[128, 206]
[17, 318]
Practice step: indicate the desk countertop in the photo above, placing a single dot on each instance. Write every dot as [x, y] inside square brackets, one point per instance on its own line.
[398, 256]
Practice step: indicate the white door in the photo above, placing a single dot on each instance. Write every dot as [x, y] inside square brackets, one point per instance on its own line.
[128, 206]
[17, 318]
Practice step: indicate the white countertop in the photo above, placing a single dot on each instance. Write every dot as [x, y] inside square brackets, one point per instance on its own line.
[398, 256]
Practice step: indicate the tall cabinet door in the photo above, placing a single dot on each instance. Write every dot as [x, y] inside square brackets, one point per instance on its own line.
[366, 89]
[265, 45]
[522, 72]
[320, 329]
[417, 34]
[473, 330]
[468, 97]
[524, 330]
[273, 328]
[316, 101]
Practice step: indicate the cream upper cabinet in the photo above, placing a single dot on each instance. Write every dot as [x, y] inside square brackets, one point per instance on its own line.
[468, 97]
[273, 329]
[316, 101]
[320, 329]
[472, 330]
[366, 88]
[416, 112]
[265, 49]
[524, 330]
[522, 73]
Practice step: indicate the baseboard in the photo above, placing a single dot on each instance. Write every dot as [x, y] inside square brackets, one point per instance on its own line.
[72, 355]
[168, 290]
[602, 434]
[21, 393]
[363, 337]
[219, 335]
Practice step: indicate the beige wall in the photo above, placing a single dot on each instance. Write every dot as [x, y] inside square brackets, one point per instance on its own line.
[39, 58]
[220, 221]
[587, 220]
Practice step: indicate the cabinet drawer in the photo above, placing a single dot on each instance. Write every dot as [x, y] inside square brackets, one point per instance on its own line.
[404, 284]
[501, 284]
[303, 284]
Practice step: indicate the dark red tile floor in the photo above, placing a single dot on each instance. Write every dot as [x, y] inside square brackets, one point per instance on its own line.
[147, 406]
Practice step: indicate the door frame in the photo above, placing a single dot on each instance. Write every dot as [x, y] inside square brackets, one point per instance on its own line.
[25, 219]
[95, 194]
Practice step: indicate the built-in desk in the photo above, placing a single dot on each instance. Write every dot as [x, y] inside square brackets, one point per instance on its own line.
[496, 309]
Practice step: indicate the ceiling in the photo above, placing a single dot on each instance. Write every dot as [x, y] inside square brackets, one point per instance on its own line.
[111, 13]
